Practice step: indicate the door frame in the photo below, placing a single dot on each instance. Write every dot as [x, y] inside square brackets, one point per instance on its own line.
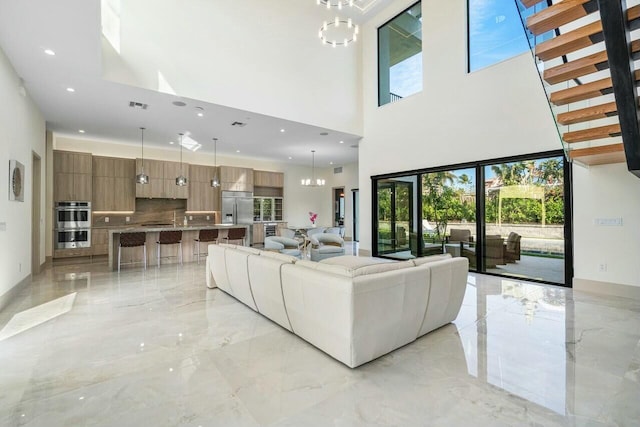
[36, 213]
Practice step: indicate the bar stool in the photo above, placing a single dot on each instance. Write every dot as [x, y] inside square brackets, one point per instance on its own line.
[132, 240]
[205, 236]
[173, 237]
[236, 234]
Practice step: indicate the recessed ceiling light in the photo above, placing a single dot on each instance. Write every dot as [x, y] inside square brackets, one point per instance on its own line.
[70, 89]
[171, 142]
[330, 163]
[237, 151]
[290, 158]
[81, 131]
[200, 114]
[341, 142]
[49, 52]
[281, 130]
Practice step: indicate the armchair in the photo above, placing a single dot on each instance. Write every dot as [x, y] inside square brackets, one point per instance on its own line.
[493, 251]
[283, 245]
[326, 245]
[460, 235]
[511, 252]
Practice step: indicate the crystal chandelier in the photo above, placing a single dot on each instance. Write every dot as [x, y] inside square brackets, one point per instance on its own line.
[181, 180]
[313, 182]
[141, 178]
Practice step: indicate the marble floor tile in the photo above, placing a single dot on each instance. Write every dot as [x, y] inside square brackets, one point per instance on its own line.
[158, 348]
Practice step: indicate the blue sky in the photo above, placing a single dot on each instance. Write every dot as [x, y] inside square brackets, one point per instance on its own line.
[495, 32]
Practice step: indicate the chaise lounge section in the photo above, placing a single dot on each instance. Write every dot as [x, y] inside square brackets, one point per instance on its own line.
[353, 308]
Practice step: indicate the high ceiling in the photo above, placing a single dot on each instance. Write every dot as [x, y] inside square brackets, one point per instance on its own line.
[100, 108]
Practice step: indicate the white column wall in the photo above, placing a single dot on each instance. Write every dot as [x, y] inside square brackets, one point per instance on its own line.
[23, 132]
[608, 191]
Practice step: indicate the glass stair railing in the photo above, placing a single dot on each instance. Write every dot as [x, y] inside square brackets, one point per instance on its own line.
[568, 51]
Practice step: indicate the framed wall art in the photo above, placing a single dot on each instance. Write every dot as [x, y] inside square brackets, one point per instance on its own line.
[16, 181]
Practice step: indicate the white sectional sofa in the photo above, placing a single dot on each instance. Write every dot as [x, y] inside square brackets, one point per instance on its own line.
[353, 308]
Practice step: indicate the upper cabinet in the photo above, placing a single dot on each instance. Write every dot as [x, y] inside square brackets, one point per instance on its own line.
[162, 180]
[202, 196]
[72, 176]
[113, 184]
[236, 179]
[268, 179]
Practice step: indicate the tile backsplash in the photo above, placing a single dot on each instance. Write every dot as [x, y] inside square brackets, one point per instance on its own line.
[155, 211]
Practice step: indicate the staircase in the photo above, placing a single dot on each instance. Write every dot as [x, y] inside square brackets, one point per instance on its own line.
[588, 71]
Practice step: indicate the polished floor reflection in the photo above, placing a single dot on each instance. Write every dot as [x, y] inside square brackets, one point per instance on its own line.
[156, 348]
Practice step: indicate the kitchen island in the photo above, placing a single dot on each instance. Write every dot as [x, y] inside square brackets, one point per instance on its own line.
[168, 252]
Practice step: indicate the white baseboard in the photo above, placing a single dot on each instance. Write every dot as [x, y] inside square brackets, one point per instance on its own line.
[7, 297]
[364, 252]
[605, 288]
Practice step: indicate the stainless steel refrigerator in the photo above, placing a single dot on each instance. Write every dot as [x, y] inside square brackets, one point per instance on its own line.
[237, 207]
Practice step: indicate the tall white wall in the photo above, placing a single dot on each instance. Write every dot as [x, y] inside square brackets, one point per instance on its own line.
[608, 191]
[495, 112]
[256, 55]
[23, 133]
[458, 116]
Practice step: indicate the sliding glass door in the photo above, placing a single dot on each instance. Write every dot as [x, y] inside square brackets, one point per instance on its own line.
[449, 213]
[395, 223]
[524, 219]
[509, 217]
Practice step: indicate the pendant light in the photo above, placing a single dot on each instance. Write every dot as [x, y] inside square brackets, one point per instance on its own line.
[141, 178]
[312, 182]
[215, 182]
[181, 180]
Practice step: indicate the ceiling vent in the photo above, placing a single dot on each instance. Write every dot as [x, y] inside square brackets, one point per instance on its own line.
[337, 170]
[139, 105]
[238, 124]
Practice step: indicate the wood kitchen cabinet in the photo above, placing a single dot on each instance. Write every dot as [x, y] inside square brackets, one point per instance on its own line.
[113, 184]
[258, 234]
[100, 241]
[72, 176]
[268, 179]
[236, 179]
[202, 196]
[162, 180]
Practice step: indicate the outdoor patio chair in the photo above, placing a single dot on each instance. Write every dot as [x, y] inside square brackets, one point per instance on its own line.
[511, 249]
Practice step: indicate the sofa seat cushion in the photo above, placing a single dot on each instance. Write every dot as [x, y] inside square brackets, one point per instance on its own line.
[429, 259]
[292, 252]
[329, 250]
[280, 256]
[362, 270]
[352, 261]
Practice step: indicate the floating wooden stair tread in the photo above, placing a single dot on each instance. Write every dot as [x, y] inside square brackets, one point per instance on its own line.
[559, 14]
[570, 42]
[591, 134]
[583, 66]
[586, 114]
[580, 38]
[529, 3]
[602, 155]
[584, 91]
